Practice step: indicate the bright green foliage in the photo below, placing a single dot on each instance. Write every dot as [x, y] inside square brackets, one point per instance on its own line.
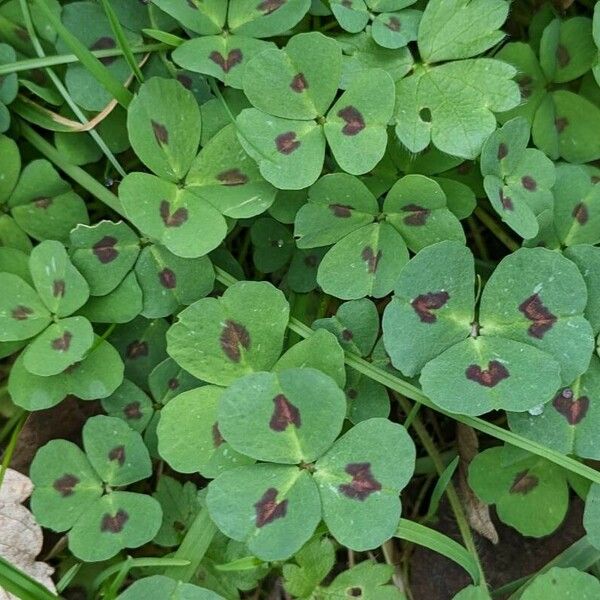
[8, 86]
[158, 586]
[530, 493]
[559, 583]
[591, 517]
[69, 492]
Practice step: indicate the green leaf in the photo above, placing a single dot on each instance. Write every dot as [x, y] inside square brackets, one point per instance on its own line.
[352, 16]
[359, 480]
[206, 18]
[587, 259]
[591, 516]
[366, 398]
[452, 105]
[189, 435]
[267, 18]
[130, 403]
[274, 509]
[117, 520]
[314, 561]
[453, 29]
[432, 307]
[356, 127]
[116, 451]
[163, 122]
[168, 379]
[61, 345]
[104, 253]
[186, 224]
[218, 340]
[273, 245]
[60, 285]
[298, 82]
[22, 314]
[159, 586]
[396, 30]
[367, 580]
[530, 494]
[559, 583]
[11, 166]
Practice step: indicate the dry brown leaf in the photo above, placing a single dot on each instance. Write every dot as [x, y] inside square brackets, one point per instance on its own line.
[20, 536]
[478, 513]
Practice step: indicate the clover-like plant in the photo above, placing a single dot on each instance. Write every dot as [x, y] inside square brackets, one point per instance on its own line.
[159, 586]
[513, 356]
[558, 582]
[78, 491]
[370, 244]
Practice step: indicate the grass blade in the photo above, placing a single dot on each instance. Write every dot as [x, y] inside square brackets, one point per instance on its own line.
[21, 585]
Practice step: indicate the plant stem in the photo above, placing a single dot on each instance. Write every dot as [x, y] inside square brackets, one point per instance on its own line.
[495, 228]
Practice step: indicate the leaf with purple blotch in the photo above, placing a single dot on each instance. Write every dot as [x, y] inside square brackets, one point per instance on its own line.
[538, 297]
[577, 206]
[569, 424]
[338, 204]
[130, 403]
[366, 398]
[160, 586]
[366, 262]
[397, 29]
[206, 18]
[273, 244]
[289, 153]
[98, 375]
[298, 82]
[356, 127]
[352, 15]
[265, 18]
[302, 273]
[62, 344]
[416, 206]
[60, 285]
[274, 509]
[221, 339]
[22, 313]
[104, 253]
[224, 174]
[167, 379]
[531, 494]
[320, 351]
[518, 180]
[587, 259]
[168, 281]
[164, 125]
[290, 416]
[359, 481]
[222, 57]
[190, 438]
[141, 344]
[189, 226]
[355, 325]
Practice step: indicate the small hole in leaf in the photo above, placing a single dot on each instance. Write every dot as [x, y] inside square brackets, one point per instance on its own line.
[425, 115]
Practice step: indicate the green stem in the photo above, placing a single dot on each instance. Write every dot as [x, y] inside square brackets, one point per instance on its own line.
[495, 228]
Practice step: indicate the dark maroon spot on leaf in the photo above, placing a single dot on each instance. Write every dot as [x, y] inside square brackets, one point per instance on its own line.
[371, 258]
[167, 279]
[118, 454]
[185, 81]
[523, 483]
[529, 183]
[354, 120]
[176, 219]
[418, 215]
[284, 414]
[233, 338]
[572, 410]
[299, 83]
[425, 303]
[286, 143]
[232, 177]
[65, 484]
[489, 377]
[525, 83]
[21, 313]
[216, 435]
[105, 250]
[363, 483]
[347, 335]
[343, 211]
[311, 261]
[132, 411]
[355, 592]
[561, 123]
[270, 6]
[105, 43]
[43, 202]
[58, 288]
[233, 59]
[137, 349]
[268, 509]
[502, 151]
[160, 132]
[173, 383]
[352, 394]
[542, 319]
[580, 213]
[506, 202]
[394, 24]
[563, 58]
[62, 343]
[114, 524]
